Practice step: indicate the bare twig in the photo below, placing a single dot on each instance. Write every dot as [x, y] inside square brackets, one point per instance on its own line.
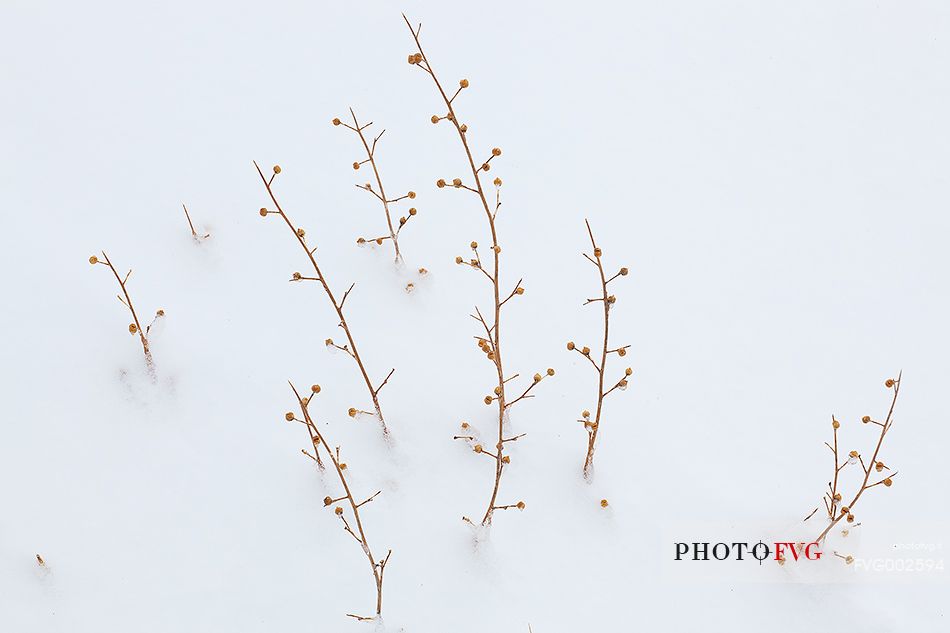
[359, 533]
[381, 194]
[492, 344]
[136, 326]
[607, 301]
[300, 235]
[194, 233]
[832, 499]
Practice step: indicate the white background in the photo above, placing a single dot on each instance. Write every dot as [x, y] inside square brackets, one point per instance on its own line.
[775, 175]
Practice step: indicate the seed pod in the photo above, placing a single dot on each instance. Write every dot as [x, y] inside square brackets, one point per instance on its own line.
[338, 510]
[315, 388]
[570, 346]
[327, 501]
[93, 260]
[521, 505]
[276, 169]
[338, 121]
[604, 503]
[289, 416]
[133, 328]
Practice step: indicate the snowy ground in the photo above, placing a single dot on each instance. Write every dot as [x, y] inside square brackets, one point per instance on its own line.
[774, 174]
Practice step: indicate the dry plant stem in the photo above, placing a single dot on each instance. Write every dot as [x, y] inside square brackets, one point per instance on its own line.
[378, 566]
[338, 307]
[885, 427]
[606, 300]
[493, 330]
[194, 233]
[371, 159]
[128, 303]
[592, 434]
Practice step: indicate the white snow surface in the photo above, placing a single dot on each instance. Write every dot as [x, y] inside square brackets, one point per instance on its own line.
[774, 174]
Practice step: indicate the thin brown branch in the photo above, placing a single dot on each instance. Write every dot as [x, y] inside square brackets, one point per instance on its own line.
[194, 233]
[370, 150]
[300, 236]
[385, 380]
[359, 533]
[494, 349]
[606, 300]
[136, 326]
[847, 511]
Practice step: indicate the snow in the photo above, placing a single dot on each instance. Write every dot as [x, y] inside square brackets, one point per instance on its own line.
[773, 174]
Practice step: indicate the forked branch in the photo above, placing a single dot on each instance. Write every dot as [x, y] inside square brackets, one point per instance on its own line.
[491, 343]
[350, 348]
[345, 504]
[379, 191]
[607, 301]
[836, 510]
[135, 327]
